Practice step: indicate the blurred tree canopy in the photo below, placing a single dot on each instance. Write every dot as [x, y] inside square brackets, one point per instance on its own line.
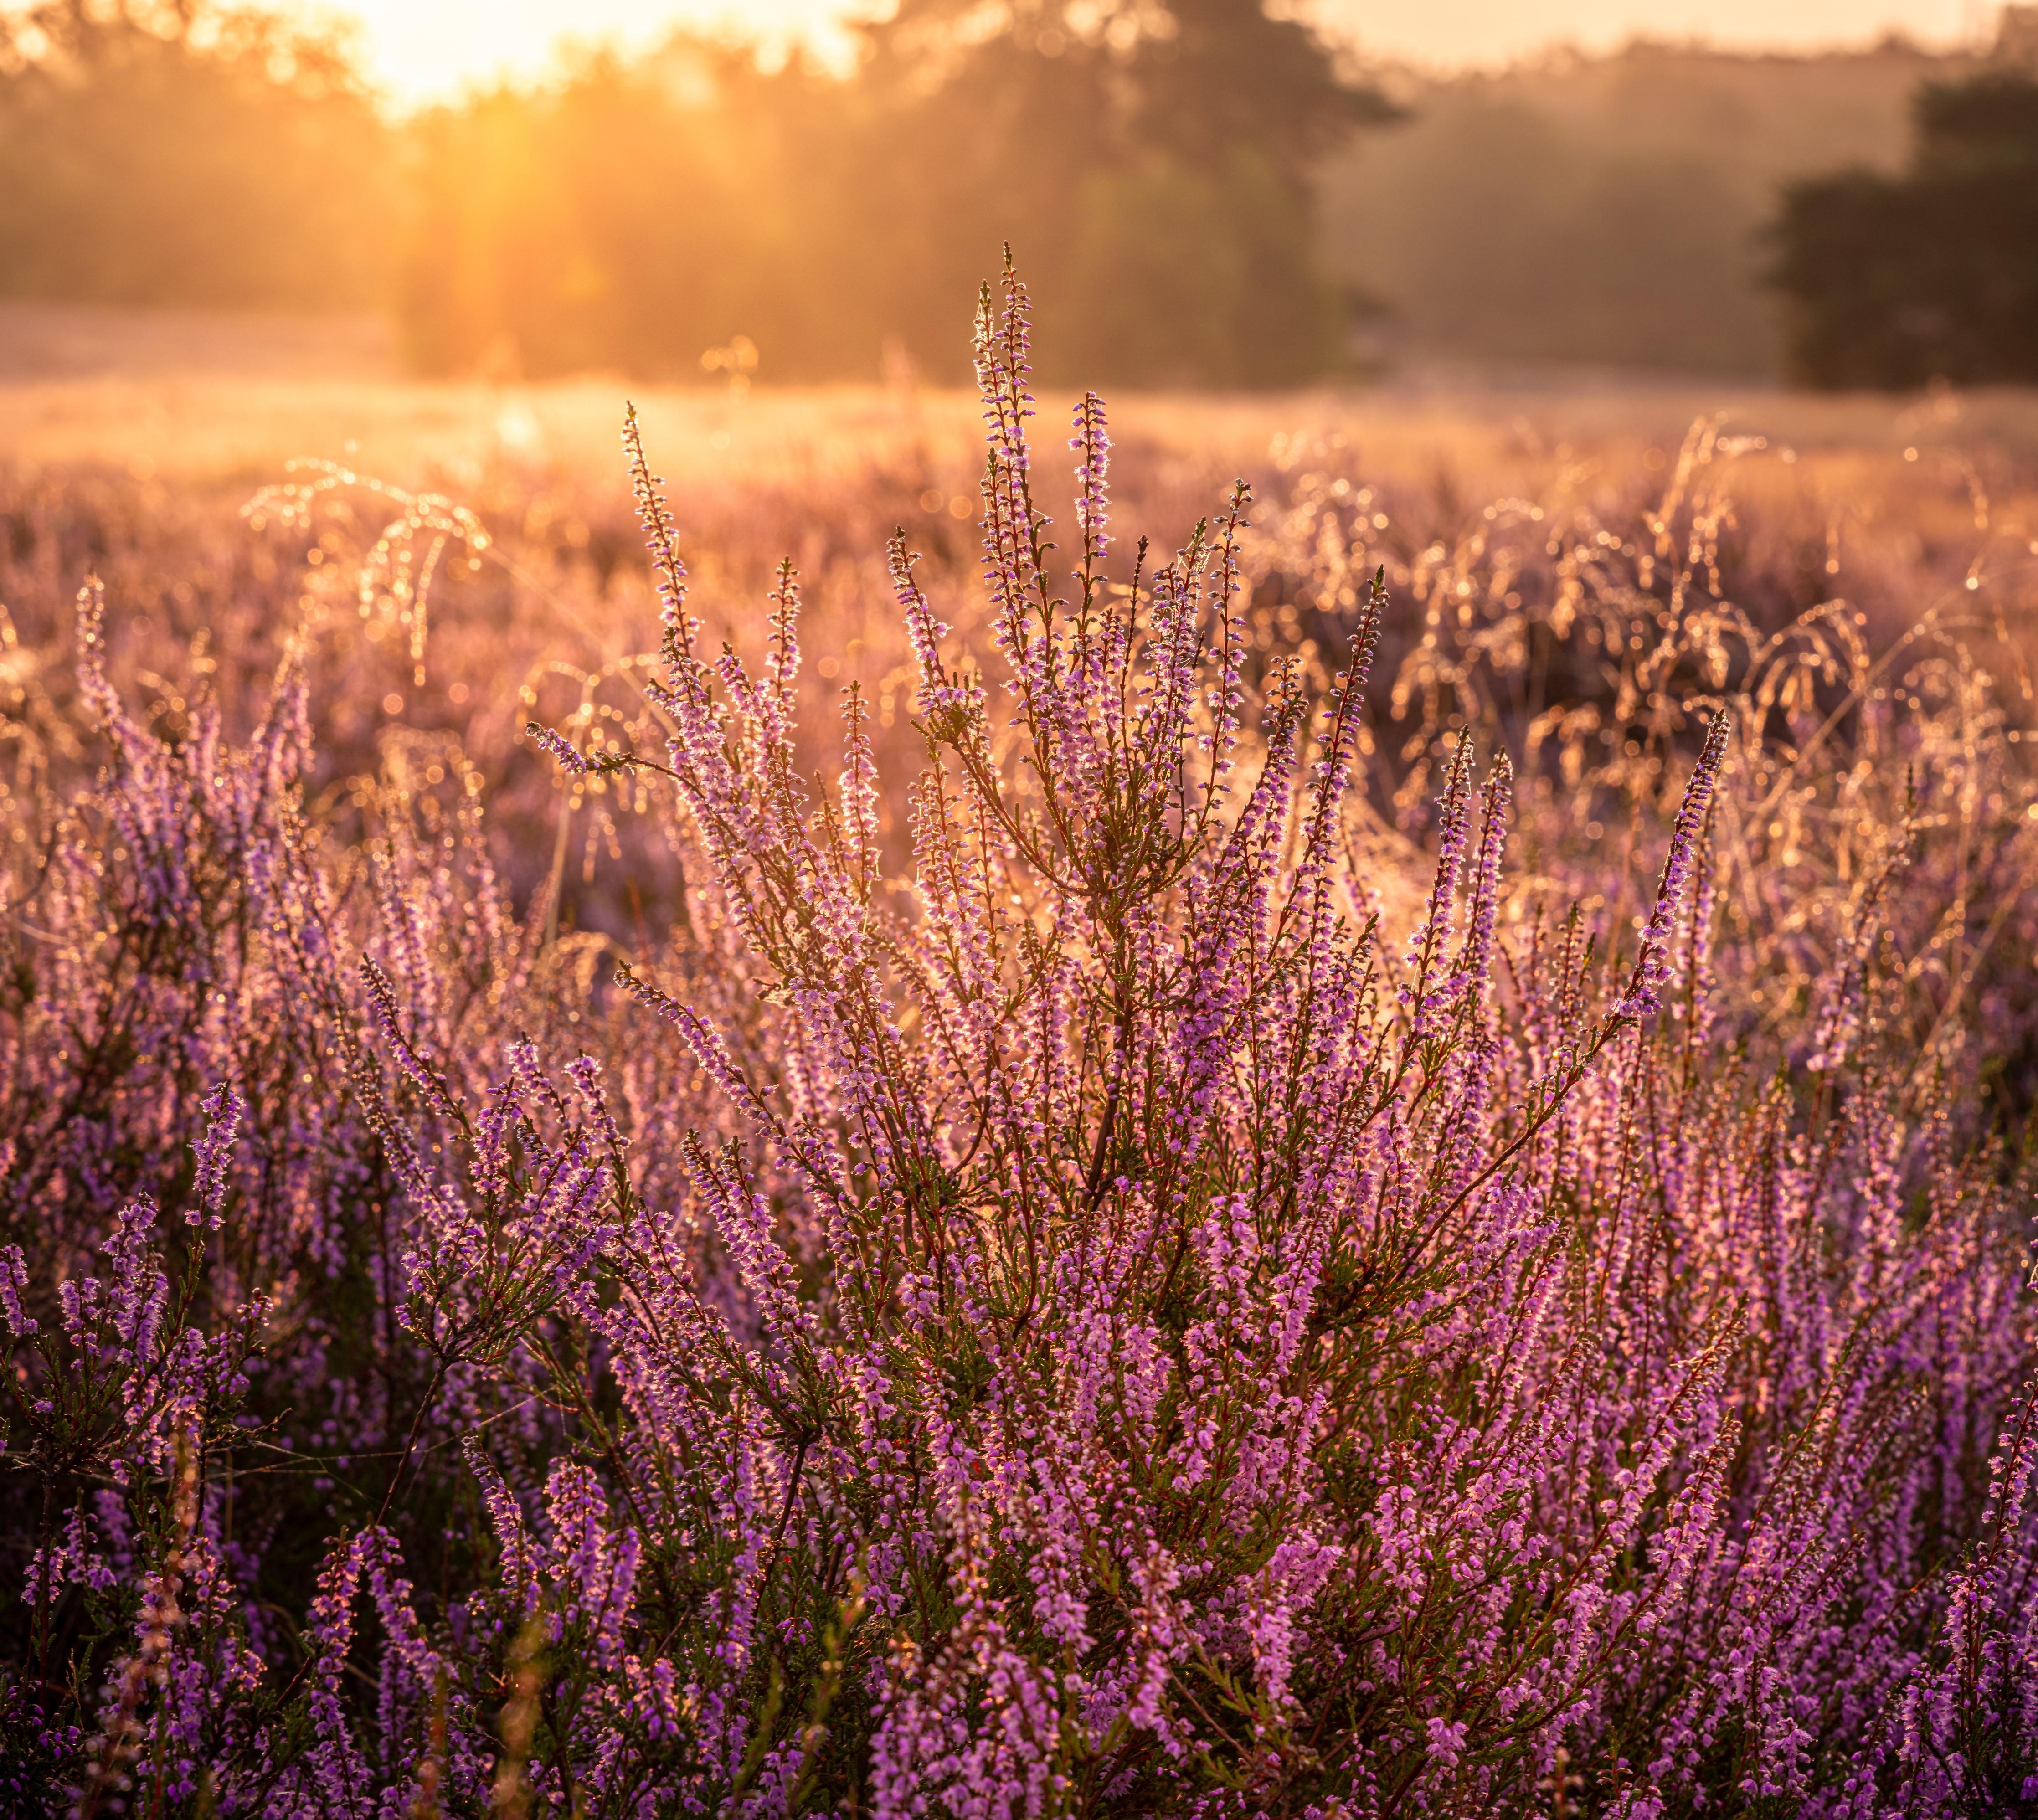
[1151, 160]
[1607, 208]
[631, 216]
[1893, 282]
[174, 153]
[1152, 163]
[1187, 184]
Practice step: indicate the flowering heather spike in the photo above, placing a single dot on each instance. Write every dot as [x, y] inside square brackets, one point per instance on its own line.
[223, 1109]
[942, 699]
[568, 755]
[858, 790]
[1227, 696]
[13, 1285]
[382, 995]
[1092, 444]
[1426, 951]
[1348, 695]
[1476, 963]
[1652, 967]
[661, 541]
[584, 1072]
[782, 655]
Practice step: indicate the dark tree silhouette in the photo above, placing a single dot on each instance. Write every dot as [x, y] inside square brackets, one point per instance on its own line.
[1891, 282]
[1119, 145]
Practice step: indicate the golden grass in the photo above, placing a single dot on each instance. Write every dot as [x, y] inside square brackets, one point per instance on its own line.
[198, 427]
[1913, 498]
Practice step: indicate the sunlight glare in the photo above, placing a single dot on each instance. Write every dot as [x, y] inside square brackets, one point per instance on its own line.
[428, 49]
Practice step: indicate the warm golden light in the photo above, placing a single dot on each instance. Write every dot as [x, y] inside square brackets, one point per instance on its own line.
[425, 49]
[1455, 32]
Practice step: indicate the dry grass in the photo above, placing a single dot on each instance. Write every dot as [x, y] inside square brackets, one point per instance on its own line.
[139, 471]
[195, 396]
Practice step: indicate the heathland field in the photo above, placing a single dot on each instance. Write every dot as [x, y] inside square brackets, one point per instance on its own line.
[1374, 1159]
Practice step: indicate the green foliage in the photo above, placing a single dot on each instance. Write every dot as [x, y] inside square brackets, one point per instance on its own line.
[1604, 210]
[637, 215]
[633, 214]
[188, 154]
[1895, 282]
[1261, 311]
[629, 218]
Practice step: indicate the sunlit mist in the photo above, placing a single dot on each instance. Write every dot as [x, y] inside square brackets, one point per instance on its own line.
[418, 49]
[421, 49]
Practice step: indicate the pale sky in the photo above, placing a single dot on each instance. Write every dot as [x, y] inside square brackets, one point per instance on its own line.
[423, 49]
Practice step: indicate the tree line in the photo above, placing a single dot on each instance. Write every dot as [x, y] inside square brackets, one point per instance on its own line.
[1190, 182]
[1893, 282]
[1155, 162]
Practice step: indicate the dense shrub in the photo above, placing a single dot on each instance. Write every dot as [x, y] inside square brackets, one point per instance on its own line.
[1174, 1300]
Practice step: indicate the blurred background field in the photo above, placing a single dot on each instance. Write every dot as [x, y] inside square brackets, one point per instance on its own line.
[229, 396]
[1207, 194]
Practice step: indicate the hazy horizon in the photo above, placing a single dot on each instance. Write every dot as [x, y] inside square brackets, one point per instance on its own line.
[419, 51]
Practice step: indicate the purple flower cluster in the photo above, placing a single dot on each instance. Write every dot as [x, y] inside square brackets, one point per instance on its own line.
[1182, 1303]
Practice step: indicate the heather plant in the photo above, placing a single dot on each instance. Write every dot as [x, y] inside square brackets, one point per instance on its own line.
[1214, 1267]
